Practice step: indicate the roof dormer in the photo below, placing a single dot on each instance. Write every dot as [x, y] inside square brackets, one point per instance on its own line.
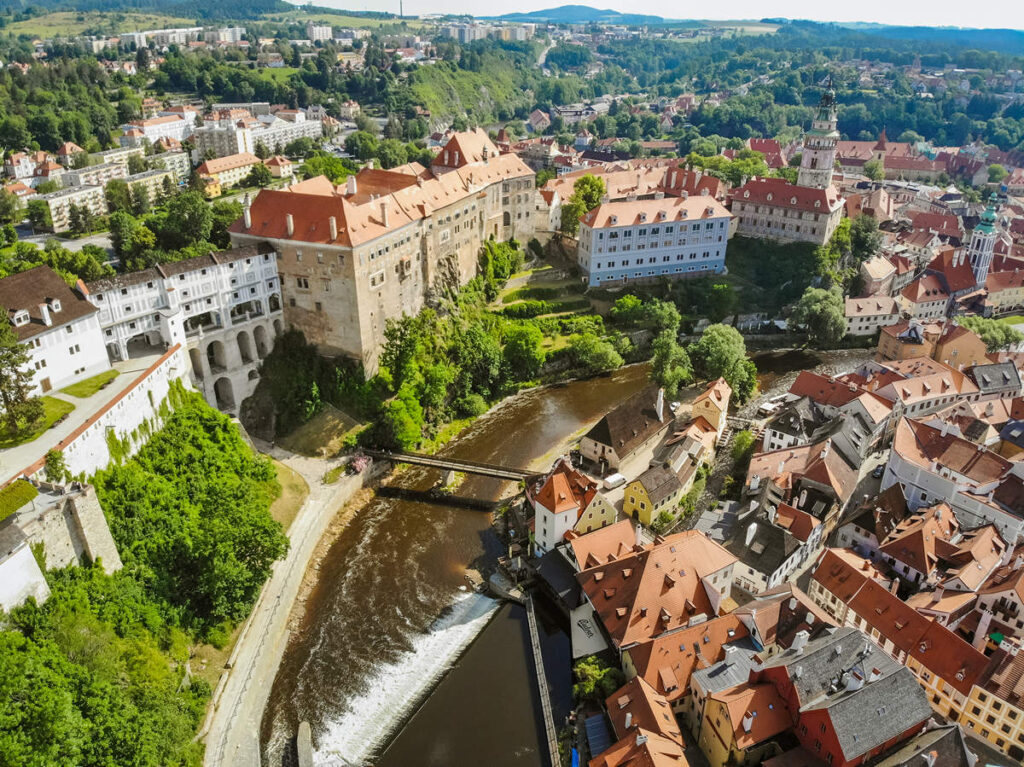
[21, 318]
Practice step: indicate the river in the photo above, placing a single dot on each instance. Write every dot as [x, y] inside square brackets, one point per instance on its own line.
[387, 620]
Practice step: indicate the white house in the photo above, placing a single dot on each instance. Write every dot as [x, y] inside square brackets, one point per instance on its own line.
[58, 324]
[629, 241]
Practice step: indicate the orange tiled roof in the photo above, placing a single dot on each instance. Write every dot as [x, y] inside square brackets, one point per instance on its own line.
[656, 589]
[761, 706]
[800, 524]
[604, 545]
[647, 709]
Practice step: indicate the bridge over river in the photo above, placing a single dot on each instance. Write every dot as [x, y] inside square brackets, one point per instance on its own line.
[455, 464]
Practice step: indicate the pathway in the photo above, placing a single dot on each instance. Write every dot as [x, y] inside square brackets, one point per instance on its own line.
[232, 726]
[542, 684]
[15, 459]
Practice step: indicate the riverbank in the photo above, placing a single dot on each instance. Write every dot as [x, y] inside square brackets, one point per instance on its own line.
[232, 723]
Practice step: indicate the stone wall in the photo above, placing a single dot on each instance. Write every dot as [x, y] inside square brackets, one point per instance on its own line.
[72, 529]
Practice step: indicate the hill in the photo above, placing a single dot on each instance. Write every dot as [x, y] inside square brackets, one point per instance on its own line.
[581, 14]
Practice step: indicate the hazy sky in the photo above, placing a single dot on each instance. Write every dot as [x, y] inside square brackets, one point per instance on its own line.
[992, 13]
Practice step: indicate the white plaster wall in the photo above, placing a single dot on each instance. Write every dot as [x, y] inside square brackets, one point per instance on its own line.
[21, 578]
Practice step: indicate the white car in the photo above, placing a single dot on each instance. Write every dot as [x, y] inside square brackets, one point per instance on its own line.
[614, 480]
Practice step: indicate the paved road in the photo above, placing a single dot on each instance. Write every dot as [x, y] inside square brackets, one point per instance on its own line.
[102, 240]
[233, 725]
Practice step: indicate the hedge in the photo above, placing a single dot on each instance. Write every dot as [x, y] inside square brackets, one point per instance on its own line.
[16, 495]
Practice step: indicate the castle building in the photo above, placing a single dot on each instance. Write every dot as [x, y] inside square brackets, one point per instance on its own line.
[819, 155]
[352, 257]
[983, 243]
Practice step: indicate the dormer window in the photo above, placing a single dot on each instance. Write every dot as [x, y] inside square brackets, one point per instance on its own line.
[769, 197]
[20, 318]
[55, 305]
[817, 203]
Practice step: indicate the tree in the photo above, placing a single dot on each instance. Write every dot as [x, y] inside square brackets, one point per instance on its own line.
[996, 173]
[742, 447]
[118, 195]
[523, 353]
[586, 195]
[595, 680]
[11, 209]
[136, 164]
[593, 354]
[140, 199]
[261, 150]
[323, 164]
[874, 170]
[996, 335]
[721, 352]
[56, 468]
[865, 239]
[20, 407]
[823, 314]
[188, 220]
[39, 214]
[671, 367]
[80, 219]
[628, 309]
[260, 176]
[361, 144]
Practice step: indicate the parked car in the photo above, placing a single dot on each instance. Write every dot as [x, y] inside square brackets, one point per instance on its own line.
[879, 471]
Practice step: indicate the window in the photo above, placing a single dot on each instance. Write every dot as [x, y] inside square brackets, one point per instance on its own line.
[319, 306]
[302, 283]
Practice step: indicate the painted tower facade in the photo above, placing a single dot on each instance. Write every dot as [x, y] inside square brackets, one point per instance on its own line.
[819, 155]
[983, 243]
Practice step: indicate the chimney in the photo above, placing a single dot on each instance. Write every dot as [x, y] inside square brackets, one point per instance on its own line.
[445, 160]
[800, 641]
[748, 721]
[874, 675]
[44, 310]
[640, 739]
[672, 181]
[332, 222]
[930, 757]
[629, 719]
[981, 633]
[351, 185]
[456, 157]
[384, 213]
[289, 223]
[659, 404]
[792, 603]
[937, 595]
[855, 681]
[751, 531]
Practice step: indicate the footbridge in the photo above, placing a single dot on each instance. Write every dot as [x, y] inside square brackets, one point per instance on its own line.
[454, 464]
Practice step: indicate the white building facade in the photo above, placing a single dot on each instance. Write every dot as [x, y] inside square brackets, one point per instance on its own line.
[641, 240]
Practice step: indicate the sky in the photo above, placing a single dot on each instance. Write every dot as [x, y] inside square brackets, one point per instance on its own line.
[956, 13]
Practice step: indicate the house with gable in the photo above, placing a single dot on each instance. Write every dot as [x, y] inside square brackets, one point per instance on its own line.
[566, 500]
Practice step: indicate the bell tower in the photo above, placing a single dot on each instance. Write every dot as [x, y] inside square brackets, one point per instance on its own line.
[983, 243]
[819, 155]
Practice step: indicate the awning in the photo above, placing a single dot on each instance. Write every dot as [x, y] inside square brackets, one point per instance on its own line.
[587, 637]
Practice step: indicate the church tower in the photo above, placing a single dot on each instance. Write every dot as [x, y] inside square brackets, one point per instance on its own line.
[819, 156]
[983, 243]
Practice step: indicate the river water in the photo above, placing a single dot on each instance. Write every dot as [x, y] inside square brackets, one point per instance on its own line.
[387, 621]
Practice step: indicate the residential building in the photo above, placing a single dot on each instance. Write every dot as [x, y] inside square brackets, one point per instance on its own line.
[319, 32]
[637, 712]
[178, 163]
[679, 581]
[95, 175]
[741, 724]
[354, 256]
[153, 181]
[877, 274]
[90, 198]
[230, 170]
[653, 493]
[934, 464]
[637, 423]
[712, 405]
[225, 308]
[775, 209]
[943, 341]
[280, 166]
[622, 242]
[866, 316]
[59, 326]
[563, 501]
[771, 545]
[137, 132]
[925, 298]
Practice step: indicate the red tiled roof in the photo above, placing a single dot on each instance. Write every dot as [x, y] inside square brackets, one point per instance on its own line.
[780, 193]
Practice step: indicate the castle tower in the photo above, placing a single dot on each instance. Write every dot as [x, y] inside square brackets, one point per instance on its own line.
[983, 243]
[819, 156]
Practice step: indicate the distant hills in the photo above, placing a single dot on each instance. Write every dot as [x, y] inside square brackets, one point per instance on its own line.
[582, 14]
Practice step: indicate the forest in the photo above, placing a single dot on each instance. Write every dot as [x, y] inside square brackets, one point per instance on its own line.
[98, 675]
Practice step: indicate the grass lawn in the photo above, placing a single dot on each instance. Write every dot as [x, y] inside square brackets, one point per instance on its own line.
[90, 386]
[321, 435]
[294, 491]
[207, 661]
[333, 475]
[341, 19]
[52, 410]
[72, 23]
[277, 74]
[1013, 319]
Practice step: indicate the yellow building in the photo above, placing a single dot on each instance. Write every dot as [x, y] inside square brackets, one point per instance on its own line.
[654, 491]
[1005, 292]
[740, 724]
[595, 515]
[713, 405]
[211, 187]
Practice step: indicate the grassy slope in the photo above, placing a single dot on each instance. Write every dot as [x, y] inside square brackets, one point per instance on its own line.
[340, 19]
[70, 23]
[53, 409]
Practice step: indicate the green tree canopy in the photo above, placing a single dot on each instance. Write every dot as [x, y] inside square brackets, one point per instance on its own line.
[995, 334]
[823, 313]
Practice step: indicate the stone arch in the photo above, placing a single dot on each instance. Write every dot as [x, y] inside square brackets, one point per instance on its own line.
[245, 346]
[278, 328]
[274, 302]
[196, 358]
[224, 393]
[506, 219]
[217, 356]
[253, 375]
[263, 347]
